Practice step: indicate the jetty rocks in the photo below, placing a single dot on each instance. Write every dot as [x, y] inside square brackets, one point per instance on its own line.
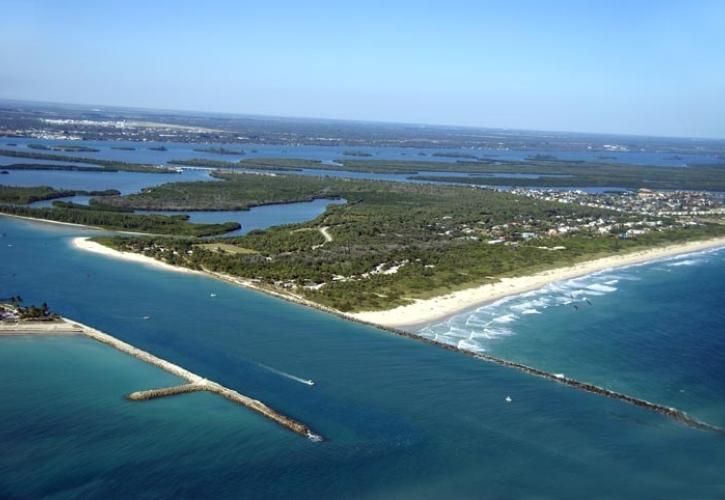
[195, 383]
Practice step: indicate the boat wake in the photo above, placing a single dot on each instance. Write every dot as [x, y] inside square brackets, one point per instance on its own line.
[287, 375]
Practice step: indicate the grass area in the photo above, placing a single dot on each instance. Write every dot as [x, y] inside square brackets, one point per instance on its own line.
[225, 248]
[64, 147]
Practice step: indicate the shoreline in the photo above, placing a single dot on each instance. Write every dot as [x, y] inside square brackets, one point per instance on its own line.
[582, 269]
[426, 311]
[73, 224]
[411, 317]
[48, 221]
[84, 243]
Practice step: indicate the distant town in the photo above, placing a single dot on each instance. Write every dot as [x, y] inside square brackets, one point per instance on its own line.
[71, 122]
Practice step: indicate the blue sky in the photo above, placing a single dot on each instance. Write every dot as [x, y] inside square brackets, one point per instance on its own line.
[637, 67]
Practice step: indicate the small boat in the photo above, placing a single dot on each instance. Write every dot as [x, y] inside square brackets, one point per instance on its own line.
[147, 317]
[212, 295]
[508, 399]
[308, 382]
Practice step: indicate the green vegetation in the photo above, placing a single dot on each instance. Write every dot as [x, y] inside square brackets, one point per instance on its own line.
[555, 174]
[64, 148]
[111, 165]
[220, 151]
[177, 225]
[46, 166]
[552, 172]
[22, 195]
[12, 310]
[542, 157]
[272, 165]
[239, 192]
[393, 242]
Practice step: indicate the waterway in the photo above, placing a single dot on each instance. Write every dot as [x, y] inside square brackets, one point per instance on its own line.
[403, 419]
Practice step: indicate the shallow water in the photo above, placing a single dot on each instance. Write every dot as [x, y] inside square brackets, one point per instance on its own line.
[402, 419]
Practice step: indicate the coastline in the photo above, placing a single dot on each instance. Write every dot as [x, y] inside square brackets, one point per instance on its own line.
[84, 243]
[424, 311]
[48, 221]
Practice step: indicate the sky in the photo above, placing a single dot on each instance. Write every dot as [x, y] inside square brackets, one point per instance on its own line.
[632, 67]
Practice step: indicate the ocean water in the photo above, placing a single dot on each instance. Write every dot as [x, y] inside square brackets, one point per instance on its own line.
[402, 419]
[655, 331]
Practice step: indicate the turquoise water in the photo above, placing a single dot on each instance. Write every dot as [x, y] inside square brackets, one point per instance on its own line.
[402, 419]
[654, 331]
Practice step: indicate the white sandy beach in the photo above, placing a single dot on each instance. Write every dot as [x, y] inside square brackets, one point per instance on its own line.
[429, 310]
[84, 243]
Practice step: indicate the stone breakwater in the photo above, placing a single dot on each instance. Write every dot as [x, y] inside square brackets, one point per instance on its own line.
[668, 411]
[195, 382]
[674, 413]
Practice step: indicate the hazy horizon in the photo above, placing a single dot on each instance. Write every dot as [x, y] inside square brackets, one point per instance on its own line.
[107, 107]
[621, 69]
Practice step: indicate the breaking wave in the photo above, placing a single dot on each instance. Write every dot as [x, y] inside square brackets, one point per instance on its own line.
[480, 329]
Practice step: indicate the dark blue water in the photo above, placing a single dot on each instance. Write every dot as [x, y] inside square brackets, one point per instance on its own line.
[402, 419]
[261, 217]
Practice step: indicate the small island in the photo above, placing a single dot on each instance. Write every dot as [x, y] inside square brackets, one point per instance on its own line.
[220, 151]
[64, 148]
[12, 311]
